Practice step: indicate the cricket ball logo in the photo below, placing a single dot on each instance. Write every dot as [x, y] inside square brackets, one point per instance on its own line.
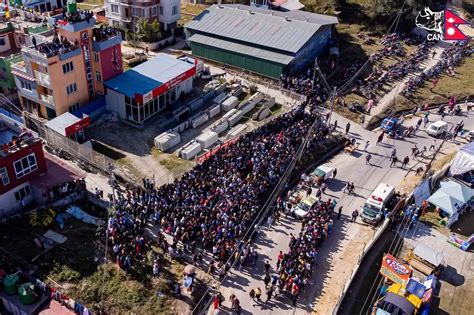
[441, 24]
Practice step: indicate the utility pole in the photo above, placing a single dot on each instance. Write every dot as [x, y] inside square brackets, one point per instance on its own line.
[314, 72]
[332, 104]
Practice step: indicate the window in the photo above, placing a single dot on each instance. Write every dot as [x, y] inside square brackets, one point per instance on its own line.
[4, 176]
[2, 41]
[114, 8]
[137, 12]
[161, 10]
[73, 108]
[25, 165]
[68, 67]
[98, 77]
[25, 85]
[175, 10]
[154, 11]
[71, 88]
[22, 193]
[96, 56]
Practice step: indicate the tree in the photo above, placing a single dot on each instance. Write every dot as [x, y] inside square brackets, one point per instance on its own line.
[148, 32]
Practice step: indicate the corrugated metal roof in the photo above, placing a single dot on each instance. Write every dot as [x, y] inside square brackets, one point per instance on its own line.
[148, 75]
[242, 49]
[286, 31]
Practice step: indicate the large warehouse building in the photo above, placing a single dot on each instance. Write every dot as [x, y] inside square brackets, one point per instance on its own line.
[262, 41]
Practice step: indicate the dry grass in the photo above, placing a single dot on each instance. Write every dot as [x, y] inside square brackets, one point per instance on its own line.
[189, 11]
[173, 163]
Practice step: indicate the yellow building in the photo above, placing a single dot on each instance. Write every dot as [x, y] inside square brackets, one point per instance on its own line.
[61, 75]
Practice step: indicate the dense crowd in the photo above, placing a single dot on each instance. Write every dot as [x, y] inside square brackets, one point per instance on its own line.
[387, 74]
[295, 267]
[212, 205]
[450, 58]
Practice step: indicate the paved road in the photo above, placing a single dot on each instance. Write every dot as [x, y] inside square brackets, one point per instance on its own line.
[341, 250]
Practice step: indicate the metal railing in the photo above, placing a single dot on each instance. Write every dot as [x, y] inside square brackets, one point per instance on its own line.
[48, 99]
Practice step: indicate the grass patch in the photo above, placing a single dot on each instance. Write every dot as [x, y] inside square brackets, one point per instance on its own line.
[189, 11]
[460, 86]
[276, 109]
[171, 162]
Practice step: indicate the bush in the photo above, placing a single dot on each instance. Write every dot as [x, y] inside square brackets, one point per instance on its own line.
[42, 217]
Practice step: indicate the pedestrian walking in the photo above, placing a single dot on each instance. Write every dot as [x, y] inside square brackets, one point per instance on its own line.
[266, 280]
[366, 146]
[334, 173]
[351, 189]
[269, 221]
[267, 267]
[339, 211]
[414, 150]
[367, 159]
[269, 294]
[355, 214]
[348, 126]
[406, 160]
[425, 121]
[335, 124]
[433, 145]
[348, 185]
[394, 153]
[394, 161]
[380, 138]
[323, 188]
[318, 193]
[258, 294]
[252, 295]
[434, 54]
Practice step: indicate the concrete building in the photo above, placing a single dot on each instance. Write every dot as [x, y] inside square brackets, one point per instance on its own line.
[9, 54]
[144, 91]
[126, 13]
[67, 72]
[262, 41]
[40, 5]
[21, 160]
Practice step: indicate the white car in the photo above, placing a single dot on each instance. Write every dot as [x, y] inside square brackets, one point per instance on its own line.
[305, 206]
[437, 129]
[323, 171]
[470, 136]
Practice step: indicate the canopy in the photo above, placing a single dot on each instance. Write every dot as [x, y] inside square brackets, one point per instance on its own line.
[464, 160]
[451, 197]
[396, 304]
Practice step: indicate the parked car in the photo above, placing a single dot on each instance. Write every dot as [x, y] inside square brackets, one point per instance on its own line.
[470, 136]
[437, 129]
[389, 124]
[305, 206]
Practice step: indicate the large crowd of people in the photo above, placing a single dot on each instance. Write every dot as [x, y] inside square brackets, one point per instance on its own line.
[450, 58]
[214, 204]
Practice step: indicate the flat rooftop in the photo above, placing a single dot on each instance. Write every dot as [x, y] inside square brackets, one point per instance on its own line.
[149, 75]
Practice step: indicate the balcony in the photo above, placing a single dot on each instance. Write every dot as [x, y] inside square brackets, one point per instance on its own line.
[105, 38]
[20, 70]
[44, 51]
[47, 99]
[43, 79]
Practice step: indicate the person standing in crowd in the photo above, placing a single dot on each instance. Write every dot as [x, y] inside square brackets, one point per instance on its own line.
[269, 294]
[258, 294]
[348, 126]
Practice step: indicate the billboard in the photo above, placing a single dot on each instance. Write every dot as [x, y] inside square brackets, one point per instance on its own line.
[395, 270]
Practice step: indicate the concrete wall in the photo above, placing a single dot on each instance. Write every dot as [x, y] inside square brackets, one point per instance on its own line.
[8, 202]
[115, 102]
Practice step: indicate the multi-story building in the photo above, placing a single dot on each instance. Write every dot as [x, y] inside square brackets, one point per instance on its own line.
[41, 5]
[126, 13]
[21, 160]
[8, 55]
[66, 72]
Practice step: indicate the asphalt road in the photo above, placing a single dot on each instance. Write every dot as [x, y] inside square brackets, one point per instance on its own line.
[341, 250]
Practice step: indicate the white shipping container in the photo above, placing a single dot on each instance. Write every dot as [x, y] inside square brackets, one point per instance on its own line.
[229, 103]
[234, 119]
[220, 126]
[166, 140]
[207, 138]
[247, 108]
[219, 98]
[237, 130]
[229, 114]
[190, 151]
[199, 120]
[214, 110]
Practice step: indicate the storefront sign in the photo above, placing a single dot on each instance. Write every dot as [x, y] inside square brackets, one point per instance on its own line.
[395, 270]
[81, 124]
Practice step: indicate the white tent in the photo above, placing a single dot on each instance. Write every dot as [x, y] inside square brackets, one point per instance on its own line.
[464, 160]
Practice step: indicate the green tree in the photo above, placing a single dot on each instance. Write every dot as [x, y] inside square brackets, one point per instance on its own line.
[148, 32]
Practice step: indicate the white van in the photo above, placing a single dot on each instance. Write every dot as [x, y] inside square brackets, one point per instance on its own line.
[373, 209]
[437, 129]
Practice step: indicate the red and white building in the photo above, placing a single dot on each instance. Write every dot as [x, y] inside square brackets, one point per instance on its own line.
[21, 160]
[142, 92]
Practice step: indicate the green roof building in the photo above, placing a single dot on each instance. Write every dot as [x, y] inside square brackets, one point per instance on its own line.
[262, 41]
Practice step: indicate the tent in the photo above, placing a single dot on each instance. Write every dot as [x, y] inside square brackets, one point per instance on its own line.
[463, 161]
[451, 197]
